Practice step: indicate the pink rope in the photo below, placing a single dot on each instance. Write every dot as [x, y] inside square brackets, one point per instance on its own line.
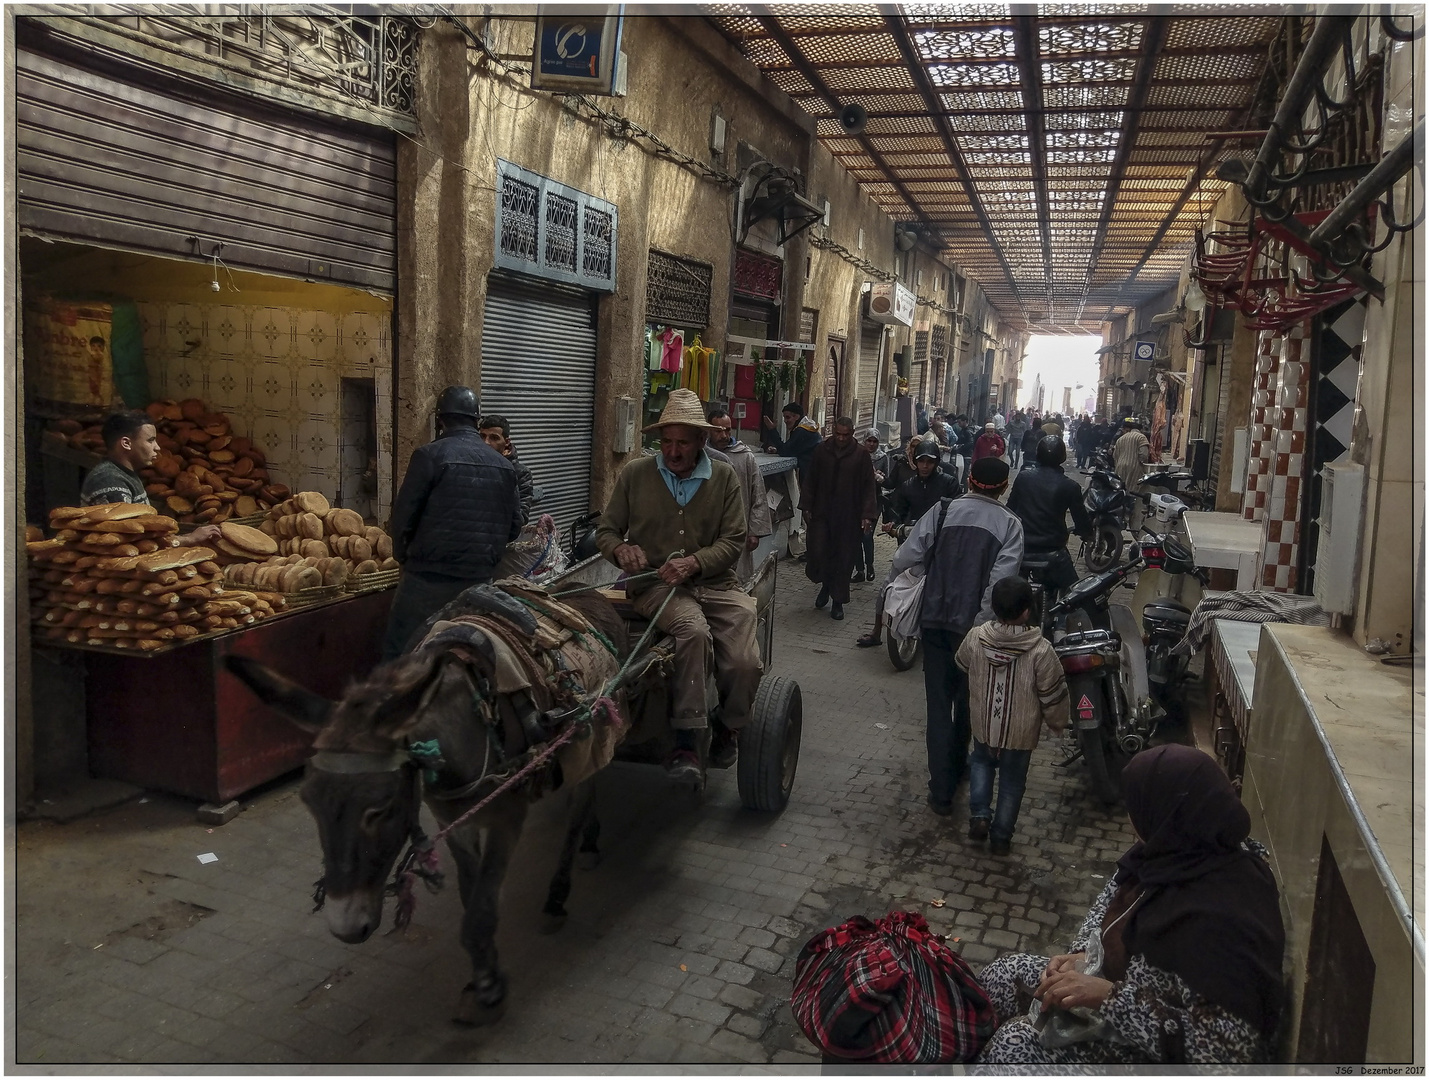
[525, 771]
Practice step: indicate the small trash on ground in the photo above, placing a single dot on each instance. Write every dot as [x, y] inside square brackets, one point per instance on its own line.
[881, 727]
[939, 902]
[208, 857]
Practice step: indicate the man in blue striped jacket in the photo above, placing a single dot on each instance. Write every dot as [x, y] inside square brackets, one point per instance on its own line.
[979, 545]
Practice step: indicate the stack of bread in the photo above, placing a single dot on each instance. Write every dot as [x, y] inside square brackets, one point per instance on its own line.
[308, 533]
[203, 472]
[112, 576]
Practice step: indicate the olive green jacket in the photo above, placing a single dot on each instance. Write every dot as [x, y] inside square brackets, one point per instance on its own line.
[711, 527]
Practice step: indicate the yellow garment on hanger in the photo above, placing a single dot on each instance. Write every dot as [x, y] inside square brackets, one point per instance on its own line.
[696, 369]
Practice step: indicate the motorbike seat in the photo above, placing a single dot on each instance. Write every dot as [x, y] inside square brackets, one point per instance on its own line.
[1037, 563]
[1166, 610]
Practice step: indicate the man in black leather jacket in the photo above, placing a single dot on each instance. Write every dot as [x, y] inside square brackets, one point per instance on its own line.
[1042, 497]
[457, 510]
[912, 498]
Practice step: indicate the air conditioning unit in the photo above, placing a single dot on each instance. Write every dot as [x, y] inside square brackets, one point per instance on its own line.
[1337, 556]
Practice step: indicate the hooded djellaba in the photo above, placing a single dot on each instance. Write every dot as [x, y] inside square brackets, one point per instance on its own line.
[1180, 956]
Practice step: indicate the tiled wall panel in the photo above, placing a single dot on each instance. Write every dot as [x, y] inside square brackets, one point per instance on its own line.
[277, 371]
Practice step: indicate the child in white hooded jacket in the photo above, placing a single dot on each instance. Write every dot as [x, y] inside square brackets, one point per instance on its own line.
[1015, 685]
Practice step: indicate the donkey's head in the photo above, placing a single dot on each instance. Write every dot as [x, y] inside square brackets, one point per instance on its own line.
[361, 787]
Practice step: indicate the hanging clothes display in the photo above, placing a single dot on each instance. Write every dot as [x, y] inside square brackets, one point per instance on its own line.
[673, 356]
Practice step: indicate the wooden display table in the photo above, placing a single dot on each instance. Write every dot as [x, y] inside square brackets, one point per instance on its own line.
[179, 721]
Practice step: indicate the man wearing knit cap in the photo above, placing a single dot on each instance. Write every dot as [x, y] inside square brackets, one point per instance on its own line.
[979, 545]
[681, 515]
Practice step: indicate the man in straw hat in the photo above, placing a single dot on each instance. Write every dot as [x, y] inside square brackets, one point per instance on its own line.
[979, 545]
[681, 514]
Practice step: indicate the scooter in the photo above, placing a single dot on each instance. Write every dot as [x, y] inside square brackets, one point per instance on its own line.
[1179, 482]
[1109, 505]
[902, 651]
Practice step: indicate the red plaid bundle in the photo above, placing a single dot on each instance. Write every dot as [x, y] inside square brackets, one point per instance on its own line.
[890, 992]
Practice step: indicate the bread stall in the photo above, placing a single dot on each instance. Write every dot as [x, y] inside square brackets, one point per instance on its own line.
[156, 619]
[262, 389]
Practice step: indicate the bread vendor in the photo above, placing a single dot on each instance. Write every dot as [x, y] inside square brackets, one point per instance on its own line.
[131, 443]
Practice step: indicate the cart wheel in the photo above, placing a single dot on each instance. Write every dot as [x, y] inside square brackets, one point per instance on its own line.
[769, 744]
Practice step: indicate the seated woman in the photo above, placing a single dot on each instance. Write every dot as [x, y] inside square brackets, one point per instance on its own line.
[1180, 956]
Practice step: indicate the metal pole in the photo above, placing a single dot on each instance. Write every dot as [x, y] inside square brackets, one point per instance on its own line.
[1390, 168]
[1329, 32]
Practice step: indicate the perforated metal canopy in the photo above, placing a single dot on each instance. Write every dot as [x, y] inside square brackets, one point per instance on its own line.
[1056, 151]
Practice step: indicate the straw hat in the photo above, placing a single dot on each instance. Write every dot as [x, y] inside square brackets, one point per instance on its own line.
[683, 407]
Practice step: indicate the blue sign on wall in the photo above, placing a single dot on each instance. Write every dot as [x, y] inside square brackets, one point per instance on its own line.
[577, 52]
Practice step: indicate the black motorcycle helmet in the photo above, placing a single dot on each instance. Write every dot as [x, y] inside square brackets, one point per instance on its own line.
[927, 448]
[1051, 451]
[459, 401]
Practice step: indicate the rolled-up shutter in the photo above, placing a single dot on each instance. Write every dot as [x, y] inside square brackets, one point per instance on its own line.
[100, 159]
[870, 339]
[538, 370]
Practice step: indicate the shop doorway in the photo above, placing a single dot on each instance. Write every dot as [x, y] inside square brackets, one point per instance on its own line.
[357, 446]
[294, 366]
[833, 384]
[538, 357]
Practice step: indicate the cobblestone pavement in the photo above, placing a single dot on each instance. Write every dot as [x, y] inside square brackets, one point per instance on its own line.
[679, 947]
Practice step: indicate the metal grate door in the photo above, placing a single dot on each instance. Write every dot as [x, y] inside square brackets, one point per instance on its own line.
[538, 357]
[129, 165]
[870, 340]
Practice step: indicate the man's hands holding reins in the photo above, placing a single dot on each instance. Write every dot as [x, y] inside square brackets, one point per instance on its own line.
[674, 571]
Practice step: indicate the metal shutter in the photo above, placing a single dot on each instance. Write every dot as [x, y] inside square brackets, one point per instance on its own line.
[113, 162]
[918, 375]
[538, 371]
[870, 338]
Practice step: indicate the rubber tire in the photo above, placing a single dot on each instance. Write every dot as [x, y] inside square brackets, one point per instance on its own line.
[1107, 539]
[902, 662]
[1104, 762]
[769, 745]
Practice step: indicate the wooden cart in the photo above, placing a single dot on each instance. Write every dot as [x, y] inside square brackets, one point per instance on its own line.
[768, 744]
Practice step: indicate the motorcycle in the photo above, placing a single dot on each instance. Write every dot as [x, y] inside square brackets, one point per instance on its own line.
[1180, 483]
[1109, 505]
[1122, 686]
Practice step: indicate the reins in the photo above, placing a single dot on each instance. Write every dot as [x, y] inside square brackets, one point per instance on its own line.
[421, 859]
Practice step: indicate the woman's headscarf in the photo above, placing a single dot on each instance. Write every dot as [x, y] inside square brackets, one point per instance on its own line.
[1210, 911]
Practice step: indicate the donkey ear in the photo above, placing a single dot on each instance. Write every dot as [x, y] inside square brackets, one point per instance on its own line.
[303, 707]
[418, 682]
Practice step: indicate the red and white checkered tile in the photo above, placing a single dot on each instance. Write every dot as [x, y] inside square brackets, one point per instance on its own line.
[1264, 420]
[1284, 451]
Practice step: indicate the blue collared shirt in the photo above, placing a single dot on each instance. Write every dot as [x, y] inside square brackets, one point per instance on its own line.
[684, 490]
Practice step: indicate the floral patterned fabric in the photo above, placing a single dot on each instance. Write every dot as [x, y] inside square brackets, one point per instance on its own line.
[1137, 1009]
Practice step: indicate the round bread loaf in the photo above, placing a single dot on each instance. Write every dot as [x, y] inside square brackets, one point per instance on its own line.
[310, 526]
[247, 538]
[312, 502]
[346, 523]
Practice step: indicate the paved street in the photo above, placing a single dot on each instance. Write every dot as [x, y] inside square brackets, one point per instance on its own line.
[679, 947]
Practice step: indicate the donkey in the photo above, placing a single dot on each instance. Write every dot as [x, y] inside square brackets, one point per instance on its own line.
[414, 729]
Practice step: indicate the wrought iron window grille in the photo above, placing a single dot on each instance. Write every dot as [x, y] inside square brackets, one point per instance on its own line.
[548, 230]
[677, 291]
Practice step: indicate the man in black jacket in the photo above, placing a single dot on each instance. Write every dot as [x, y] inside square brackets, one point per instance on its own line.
[911, 500]
[1042, 498]
[456, 512]
[496, 431]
